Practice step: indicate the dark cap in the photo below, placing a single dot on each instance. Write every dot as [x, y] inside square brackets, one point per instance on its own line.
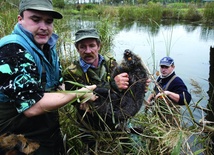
[166, 61]
[40, 5]
[86, 33]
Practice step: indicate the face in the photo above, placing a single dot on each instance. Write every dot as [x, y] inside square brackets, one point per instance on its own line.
[88, 50]
[40, 24]
[166, 70]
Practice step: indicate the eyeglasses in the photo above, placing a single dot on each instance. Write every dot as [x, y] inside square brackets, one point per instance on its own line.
[162, 66]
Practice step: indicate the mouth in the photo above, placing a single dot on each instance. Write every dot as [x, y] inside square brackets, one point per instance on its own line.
[128, 54]
[88, 58]
[41, 35]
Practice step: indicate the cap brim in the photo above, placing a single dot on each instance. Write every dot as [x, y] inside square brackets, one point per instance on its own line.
[165, 64]
[55, 14]
[86, 37]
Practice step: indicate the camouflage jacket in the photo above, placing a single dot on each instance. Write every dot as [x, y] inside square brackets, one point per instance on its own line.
[100, 76]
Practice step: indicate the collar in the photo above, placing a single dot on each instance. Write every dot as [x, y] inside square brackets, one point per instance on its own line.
[86, 66]
[167, 75]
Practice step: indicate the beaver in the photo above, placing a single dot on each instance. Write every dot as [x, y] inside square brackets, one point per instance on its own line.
[116, 106]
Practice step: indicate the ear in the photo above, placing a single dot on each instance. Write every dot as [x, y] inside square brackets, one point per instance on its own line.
[99, 45]
[19, 18]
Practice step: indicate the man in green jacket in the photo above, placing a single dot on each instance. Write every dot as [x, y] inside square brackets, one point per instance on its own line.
[92, 68]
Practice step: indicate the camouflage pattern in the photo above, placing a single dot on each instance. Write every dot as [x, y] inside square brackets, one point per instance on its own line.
[99, 76]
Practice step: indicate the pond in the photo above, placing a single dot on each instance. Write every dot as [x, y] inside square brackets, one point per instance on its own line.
[187, 43]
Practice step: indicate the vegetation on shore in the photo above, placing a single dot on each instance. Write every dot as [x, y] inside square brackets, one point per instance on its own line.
[196, 12]
[157, 136]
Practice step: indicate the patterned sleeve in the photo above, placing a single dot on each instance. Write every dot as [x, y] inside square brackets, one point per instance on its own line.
[21, 82]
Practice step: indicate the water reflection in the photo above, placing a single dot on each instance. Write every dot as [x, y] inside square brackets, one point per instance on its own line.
[153, 28]
[206, 32]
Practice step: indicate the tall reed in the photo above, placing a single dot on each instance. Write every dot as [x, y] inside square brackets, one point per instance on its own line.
[8, 18]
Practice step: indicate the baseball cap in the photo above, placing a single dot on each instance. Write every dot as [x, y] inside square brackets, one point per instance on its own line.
[40, 5]
[166, 61]
[86, 33]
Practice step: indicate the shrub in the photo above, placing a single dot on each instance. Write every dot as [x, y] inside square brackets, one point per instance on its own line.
[154, 11]
[59, 3]
[192, 13]
[209, 12]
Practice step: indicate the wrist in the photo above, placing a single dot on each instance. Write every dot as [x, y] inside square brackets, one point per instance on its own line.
[167, 93]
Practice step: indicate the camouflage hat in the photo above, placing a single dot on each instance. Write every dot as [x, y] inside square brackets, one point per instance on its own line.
[86, 33]
[40, 5]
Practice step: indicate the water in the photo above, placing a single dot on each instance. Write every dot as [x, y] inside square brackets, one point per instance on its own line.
[188, 45]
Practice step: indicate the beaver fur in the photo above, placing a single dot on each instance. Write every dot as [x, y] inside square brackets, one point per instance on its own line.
[116, 106]
[12, 144]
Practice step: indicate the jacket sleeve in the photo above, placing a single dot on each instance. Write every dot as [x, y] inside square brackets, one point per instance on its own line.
[21, 81]
[179, 87]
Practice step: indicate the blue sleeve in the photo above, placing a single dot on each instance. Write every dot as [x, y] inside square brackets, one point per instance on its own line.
[22, 83]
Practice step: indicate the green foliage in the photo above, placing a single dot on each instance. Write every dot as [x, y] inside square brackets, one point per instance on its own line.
[59, 3]
[177, 5]
[70, 129]
[105, 11]
[107, 32]
[64, 45]
[88, 6]
[126, 13]
[154, 11]
[192, 13]
[178, 147]
[8, 18]
[209, 12]
[91, 12]
[172, 13]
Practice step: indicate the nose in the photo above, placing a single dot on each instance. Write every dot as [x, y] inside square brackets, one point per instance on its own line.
[42, 25]
[87, 49]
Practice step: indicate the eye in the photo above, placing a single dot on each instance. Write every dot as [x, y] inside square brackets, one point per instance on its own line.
[49, 21]
[35, 19]
[92, 45]
[81, 47]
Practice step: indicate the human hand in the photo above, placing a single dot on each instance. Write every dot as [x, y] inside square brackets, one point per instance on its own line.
[85, 106]
[161, 95]
[150, 99]
[61, 87]
[147, 84]
[86, 94]
[122, 80]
